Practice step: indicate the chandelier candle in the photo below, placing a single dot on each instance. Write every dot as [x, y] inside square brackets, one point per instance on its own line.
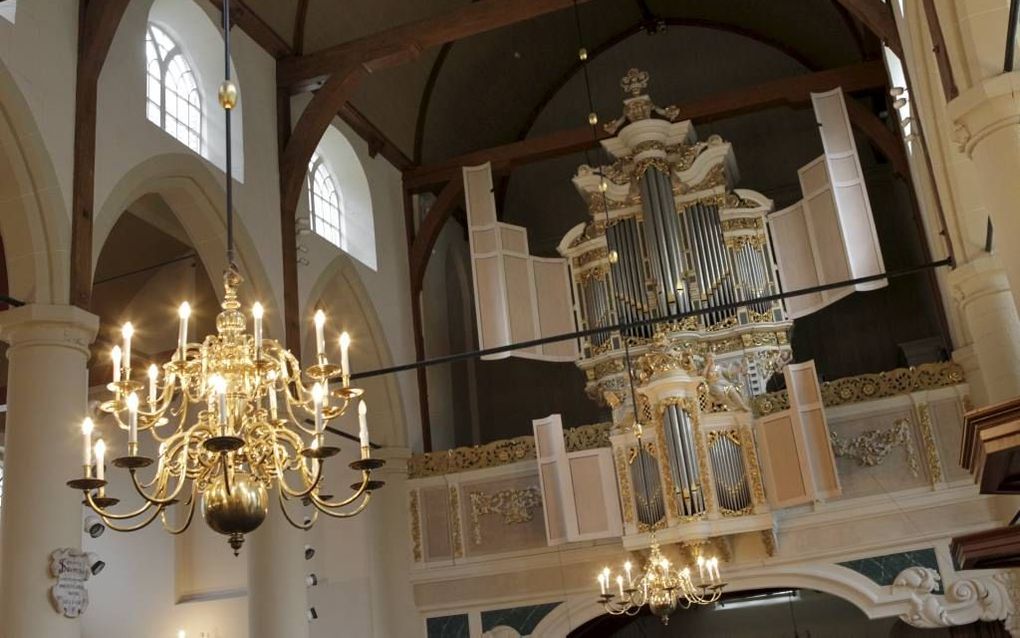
[317, 398]
[132, 406]
[86, 433]
[100, 460]
[256, 313]
[153, 378]
[320, 337]
[363, 428]
[127, 332]
[182, 334]
[345, 363]
[115, 357]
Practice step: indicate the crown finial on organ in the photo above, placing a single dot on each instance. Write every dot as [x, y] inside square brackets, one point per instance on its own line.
[634, 82]
[637, 105]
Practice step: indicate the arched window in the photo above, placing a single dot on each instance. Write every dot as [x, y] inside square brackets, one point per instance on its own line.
[326, 203]
[172, 98]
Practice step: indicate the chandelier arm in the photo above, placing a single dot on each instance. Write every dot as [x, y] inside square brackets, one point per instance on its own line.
[187, 520]
[110, 515]
[155, 500]
[350, 514]
[291, 493]
[131, 528]
[286, 515]
[162, 477]
[350, 499]
[181, 415]
[290, 412]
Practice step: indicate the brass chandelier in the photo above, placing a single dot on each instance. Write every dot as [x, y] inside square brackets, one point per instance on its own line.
[227, 417]
[662, 586]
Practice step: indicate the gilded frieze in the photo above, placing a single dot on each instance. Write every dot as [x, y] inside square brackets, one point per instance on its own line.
[516, 506]
[867, 387]
[592, 255]
[742, 223]
[623, 477]
[752, 466]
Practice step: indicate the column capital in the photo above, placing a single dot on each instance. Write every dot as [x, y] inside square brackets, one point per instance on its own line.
[42, 324]
[977, 278]
[983, 109]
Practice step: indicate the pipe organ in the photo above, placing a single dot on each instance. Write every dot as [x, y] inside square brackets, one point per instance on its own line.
[669, 234]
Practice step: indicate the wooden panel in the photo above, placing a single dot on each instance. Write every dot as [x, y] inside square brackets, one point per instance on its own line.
[596, 496]
[519, 290]
[791, 240]
[785, 479]
[555, 306]
[554, 479]
[816, 449]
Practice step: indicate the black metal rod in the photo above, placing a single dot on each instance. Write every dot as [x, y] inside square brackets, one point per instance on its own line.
[229, 151]
[989, 235]
[450, 358]
[1014, 15]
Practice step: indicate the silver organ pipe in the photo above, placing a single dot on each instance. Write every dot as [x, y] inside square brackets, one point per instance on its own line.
[683, 461]
[729, 473]
[644, 473]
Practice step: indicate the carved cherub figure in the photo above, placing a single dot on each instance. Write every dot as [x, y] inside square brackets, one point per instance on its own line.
[722, 387]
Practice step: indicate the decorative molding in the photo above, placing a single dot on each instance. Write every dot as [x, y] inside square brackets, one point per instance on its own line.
[872, 446]
[868, 387]
[415, 528]
[753, 467]
[928, 439]
[458, 542]
[515, 505]
[504, 452]
[883, 570]
[984, 597]
[623, 476]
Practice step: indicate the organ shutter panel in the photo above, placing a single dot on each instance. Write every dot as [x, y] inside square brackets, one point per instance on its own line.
[829, 236]
[518, 297]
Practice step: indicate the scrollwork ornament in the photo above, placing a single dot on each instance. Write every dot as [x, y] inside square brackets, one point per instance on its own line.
[985, 598]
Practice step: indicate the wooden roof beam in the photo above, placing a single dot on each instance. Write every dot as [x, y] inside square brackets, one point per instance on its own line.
[406, 42]
[784, 92]
[256, 28]
[877, 16]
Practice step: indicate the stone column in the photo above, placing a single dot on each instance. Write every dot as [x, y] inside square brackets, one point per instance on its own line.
[46, 400]
[981, 289]
[986, 121]
[277, 593]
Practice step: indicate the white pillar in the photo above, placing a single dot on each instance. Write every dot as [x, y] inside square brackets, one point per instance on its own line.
[46, 388]
[983, 293]
[986, 120]
[277, 593]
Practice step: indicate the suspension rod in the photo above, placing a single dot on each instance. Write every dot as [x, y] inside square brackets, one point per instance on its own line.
[475, 354]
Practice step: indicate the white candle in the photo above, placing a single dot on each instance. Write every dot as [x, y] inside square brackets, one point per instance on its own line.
[153, 377]
[619, 583]
[100, 459]
[345, 364]
[127, 332]
[602, 584]
[272, 401]
[320, 338]
[182, 335]
[317, 399]
[605, 580]
[630, 579]
[115, 357]
[132, 406]
[220, 385]
[256, 312]
[86, 432]
[363, 424]
[701, 567]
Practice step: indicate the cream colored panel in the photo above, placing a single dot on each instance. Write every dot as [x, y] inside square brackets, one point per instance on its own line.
[481, 204]
[519, 298]
[828, 240]
[795, 258]
[436, 532]
[813, 177]
[513, 238]
[555, 306]
[851, 196]
[554, 478]
[806, 400]
[484, 241]
[785, 479]
[490, 302]
[595, 495]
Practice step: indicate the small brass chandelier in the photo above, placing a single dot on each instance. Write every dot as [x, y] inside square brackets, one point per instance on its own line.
[662, 586]
[227, 417]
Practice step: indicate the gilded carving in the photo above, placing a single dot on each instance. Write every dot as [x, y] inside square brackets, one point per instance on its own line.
[415, 528]
[742, 223]
[871, 447]
[752, 466]
[592, 255]
[522, 448]
[623, 477]
[668, 487]
[768, 539]
[716, 177]
[928, 440]
[458, 543]
[740, 241]
[866, 387]
[516, 506]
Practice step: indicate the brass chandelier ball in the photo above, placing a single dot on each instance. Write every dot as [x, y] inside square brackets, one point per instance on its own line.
[235, 509]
